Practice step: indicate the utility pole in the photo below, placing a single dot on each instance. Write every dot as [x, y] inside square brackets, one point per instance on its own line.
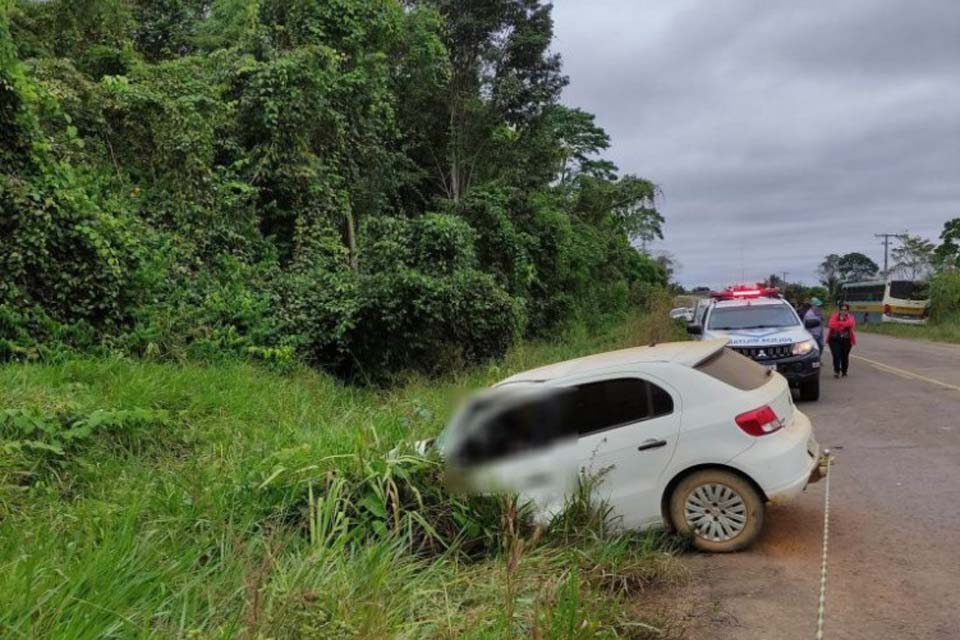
[886, 249]
[784, 278]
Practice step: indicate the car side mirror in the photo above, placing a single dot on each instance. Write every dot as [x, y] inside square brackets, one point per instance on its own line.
[812, 323]
[695, 329]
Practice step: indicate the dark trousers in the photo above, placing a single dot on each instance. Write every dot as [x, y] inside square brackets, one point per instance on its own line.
[840, 350]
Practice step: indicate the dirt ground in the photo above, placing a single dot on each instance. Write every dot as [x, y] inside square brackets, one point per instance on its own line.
[894, 549]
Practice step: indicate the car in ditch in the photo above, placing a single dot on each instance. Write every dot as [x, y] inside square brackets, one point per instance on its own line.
[690, 435]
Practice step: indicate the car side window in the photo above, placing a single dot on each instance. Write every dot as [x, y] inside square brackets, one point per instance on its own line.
[610, 403]
[661, 402]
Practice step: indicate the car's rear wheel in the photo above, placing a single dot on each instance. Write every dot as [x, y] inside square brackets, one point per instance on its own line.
[719, 509]
[810, 390]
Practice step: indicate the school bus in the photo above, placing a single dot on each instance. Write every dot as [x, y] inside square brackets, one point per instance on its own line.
[906, 302]
[898, 301]
[865, 299]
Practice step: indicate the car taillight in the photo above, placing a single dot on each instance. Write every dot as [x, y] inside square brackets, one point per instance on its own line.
[925, 312]
[759, 422]
[886, 309]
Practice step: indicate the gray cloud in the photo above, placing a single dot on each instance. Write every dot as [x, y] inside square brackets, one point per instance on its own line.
[779, 132]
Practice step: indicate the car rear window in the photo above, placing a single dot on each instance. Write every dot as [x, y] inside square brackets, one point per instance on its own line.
[735, 370]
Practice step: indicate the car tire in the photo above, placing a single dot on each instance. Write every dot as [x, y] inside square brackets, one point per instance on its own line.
[720, 510]
[810, 391]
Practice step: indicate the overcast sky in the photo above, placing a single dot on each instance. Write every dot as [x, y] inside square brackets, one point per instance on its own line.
[779, 131]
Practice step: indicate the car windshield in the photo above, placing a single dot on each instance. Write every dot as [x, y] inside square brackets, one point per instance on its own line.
[752, 317]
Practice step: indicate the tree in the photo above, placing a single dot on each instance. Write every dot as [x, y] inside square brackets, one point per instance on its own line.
[829, 273]
[855, 266]
[191, 176]
[627, 204]
[947, 254]
[914, 257]
[578, 141]
[775, 281]
[502, 79]
[668, 263]
[850, 267]
[167, 28]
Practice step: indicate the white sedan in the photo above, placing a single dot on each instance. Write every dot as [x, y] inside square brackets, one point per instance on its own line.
[690, 435]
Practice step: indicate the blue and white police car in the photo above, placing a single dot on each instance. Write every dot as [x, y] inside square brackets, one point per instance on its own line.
[760, 324]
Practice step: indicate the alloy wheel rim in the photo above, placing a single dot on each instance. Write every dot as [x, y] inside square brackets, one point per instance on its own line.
[715, 512]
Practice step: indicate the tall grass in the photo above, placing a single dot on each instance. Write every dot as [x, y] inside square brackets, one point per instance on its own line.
[948, 331]
[231, 501]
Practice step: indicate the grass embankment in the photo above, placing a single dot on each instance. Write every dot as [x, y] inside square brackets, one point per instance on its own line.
[946, 331]
[143, 499]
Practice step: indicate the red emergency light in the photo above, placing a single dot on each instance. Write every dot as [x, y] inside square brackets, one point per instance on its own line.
[744, 291]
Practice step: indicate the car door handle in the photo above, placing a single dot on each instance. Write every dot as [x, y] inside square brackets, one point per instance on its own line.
[651, 444]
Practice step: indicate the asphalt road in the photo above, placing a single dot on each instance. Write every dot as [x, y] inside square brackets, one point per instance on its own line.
[894, 549]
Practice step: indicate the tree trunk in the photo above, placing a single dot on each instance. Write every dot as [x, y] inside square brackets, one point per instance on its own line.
[455, 132]
[352, 241]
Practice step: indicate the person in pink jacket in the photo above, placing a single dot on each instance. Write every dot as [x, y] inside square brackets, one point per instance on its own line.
[841, 336]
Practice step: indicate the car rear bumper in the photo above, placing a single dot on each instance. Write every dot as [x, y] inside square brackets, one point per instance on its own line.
[784, 462]
[820, 471]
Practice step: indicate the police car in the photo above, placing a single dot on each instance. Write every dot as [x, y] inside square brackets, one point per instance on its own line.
[760, 324]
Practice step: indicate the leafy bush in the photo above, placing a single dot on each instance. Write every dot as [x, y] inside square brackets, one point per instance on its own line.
[35, 445]
[501, 247]
[64, 253]
[223, 310]
[192, 180]
[945, 297]
[317, 300]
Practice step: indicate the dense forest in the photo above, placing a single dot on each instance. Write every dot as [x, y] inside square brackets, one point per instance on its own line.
[367, 186]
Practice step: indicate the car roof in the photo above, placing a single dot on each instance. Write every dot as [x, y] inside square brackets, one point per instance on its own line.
[751, 302]
[684, 353]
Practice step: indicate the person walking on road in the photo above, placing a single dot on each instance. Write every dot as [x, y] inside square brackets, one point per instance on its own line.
[815, 311]
[841, 336]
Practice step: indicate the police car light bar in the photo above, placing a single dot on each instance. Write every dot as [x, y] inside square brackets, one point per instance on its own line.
[746, 291]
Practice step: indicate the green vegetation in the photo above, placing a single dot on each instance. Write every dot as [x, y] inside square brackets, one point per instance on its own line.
[149, 499]
[366, 186]
[216, 216]
[945, 297]
[850, 267]
[937, 332]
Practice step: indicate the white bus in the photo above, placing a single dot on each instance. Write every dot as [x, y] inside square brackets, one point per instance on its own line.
[906, 302]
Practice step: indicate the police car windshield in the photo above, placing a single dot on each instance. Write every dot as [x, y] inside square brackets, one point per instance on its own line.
[752, 317]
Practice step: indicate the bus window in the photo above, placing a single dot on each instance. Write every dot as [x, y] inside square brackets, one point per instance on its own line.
[909, 290]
